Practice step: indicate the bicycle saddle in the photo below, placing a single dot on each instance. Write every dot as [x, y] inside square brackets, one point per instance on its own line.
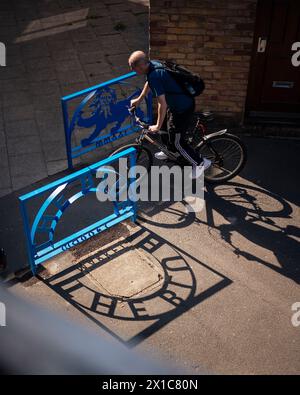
[205, 116]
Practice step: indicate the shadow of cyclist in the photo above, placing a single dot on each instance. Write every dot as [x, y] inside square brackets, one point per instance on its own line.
[258, 227]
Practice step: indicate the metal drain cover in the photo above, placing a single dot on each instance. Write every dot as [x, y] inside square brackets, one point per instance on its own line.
[127, 275]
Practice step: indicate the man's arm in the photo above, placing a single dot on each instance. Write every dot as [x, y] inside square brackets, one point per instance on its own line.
[161, 113]
[136, 102]
[162, 110]
[145, 91]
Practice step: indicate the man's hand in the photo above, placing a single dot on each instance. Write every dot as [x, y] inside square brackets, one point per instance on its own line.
[154, 128]
[135, 102]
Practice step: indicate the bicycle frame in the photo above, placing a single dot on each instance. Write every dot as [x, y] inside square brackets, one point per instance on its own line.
[203, 130]
[199, 126]
[161, 147]
[145, 136]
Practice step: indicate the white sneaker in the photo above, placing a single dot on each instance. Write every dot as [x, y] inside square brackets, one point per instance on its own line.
[198, 170]
[160, 155]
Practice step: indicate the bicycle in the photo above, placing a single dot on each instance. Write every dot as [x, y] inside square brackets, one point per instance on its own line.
[220, 147]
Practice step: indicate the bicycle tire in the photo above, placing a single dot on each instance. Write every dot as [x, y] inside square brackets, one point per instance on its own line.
[207, 150]
[139, 150]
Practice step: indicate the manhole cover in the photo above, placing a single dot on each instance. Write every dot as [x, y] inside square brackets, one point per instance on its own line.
[127, 275]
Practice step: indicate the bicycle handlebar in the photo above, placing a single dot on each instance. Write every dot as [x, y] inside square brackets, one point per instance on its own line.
[132, 112]
[144, 125]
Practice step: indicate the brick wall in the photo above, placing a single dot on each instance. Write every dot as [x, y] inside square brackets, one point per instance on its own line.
[213, 38]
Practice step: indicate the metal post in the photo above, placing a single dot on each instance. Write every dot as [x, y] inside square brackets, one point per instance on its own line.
[30, 249]
[67, 133]
[132, 182]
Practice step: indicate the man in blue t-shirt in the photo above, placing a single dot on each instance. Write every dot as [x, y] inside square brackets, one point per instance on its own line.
[175, 109]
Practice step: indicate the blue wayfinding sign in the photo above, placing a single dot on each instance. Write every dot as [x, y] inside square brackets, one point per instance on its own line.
[101, 115]
[50, 202]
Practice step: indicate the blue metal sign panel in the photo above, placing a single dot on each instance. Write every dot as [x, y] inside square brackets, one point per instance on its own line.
[101, 115]
[40, 222]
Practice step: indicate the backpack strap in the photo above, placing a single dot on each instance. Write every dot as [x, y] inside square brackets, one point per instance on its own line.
[157, 68]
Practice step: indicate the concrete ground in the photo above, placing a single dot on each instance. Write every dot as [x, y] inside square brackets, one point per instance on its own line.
[55, 48]
[212, 290]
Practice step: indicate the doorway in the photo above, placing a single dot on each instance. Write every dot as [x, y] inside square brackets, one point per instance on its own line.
[274, 83]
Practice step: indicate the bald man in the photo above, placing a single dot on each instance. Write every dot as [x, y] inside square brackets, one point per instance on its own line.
[175, 108]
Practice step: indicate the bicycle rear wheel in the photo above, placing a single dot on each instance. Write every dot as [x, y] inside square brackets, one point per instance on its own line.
[228, 155]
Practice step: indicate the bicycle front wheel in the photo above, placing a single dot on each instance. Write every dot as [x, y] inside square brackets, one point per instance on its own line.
[228, 155]
[143, 156]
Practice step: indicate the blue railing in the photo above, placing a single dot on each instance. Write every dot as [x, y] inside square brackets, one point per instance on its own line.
[101, 115]
[40, 224]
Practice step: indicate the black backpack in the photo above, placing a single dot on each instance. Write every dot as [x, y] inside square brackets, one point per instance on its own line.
[191, 84]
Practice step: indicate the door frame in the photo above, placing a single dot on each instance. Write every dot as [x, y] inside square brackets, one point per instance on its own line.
[255, 79]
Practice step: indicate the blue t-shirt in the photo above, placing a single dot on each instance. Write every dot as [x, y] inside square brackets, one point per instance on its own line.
[161, 83]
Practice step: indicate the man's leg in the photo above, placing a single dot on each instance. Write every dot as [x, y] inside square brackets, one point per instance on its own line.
[166, 139]
[177, 127]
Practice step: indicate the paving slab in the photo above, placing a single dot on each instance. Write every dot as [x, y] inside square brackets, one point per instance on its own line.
[21, 129]
[25, 145]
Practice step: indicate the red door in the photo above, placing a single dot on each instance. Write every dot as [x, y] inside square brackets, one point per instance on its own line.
[274, 83]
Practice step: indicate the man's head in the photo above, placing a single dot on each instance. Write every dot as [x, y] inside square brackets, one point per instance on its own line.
[139, 62]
